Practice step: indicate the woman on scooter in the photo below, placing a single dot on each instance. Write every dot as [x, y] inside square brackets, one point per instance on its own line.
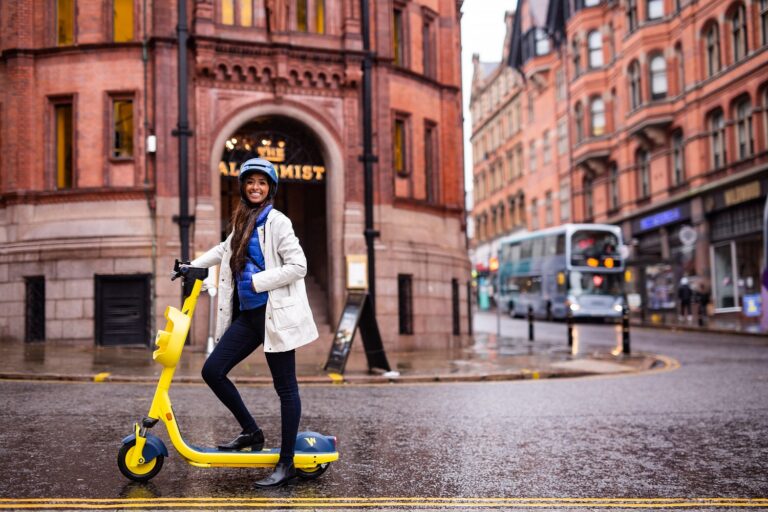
[263, 262]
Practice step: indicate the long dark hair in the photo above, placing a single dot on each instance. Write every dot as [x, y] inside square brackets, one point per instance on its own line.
[243, 223]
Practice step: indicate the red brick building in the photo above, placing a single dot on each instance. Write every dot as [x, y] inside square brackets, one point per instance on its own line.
[89, 178]
[666, 108]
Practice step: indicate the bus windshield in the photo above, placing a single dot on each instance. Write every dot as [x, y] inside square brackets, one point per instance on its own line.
[593, 244]
[589, 283]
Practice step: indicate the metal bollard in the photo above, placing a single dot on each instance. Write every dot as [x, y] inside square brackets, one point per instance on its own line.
[625, 330]
[530, 323]
[569, 323]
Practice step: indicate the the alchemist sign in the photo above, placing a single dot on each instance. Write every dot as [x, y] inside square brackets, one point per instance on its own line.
[287, 172]
[293, 161]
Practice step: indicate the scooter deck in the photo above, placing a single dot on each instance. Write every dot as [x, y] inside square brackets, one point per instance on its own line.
[264, 458]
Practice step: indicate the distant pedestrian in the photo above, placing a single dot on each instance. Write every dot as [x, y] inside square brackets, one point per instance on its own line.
[684, 296]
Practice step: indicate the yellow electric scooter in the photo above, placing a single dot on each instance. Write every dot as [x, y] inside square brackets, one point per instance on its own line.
[141, 455]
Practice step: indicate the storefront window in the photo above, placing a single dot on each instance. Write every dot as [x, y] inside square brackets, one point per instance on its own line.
[725, 295]
[737, 271]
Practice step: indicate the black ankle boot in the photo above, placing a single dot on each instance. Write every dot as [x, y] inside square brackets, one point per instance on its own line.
[254, 440]
[284, 472]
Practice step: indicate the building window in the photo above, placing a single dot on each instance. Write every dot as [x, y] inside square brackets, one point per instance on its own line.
[678, 158]
[576, 56]
[320, 16]
[658, 70]
[122, 26]
[34, 308]
[588, 198]
[534, 214]
[398, 38]
[631, 15]
[635, 90]
[560, 89]
[302, 16]
[745, 144]
[546, 147]
[717, 139]
[655, 9]
[548, 208]
[597, 116]
[611, 42]
[565, 201]
[562, 136]
[712, 37]
[431, 167]
[532, 156]
[227, 12]
[238, 12]
[65, 22]
[765, 117]
[738, 20]
[579, 120]
[680, 68]
[405, 303]
[595, 45]
[643, 165]
[764, 21]
[64, 154]
[519, 159]
[429, 44]
[531, 108]
[400, 146]
[122, 128]
[455, 306]
[613, 186]
[542, 42]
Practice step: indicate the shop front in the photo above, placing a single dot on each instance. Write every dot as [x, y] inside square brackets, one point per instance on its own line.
[735, 216]
[663, 251]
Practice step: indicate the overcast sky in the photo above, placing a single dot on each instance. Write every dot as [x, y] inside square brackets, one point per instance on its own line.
[482, 32]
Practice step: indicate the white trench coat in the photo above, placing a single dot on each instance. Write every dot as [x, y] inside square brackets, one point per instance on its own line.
[288, 323]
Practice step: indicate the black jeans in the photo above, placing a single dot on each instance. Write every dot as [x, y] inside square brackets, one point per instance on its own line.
[243, 337]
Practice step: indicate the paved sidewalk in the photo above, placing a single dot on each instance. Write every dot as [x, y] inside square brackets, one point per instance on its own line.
[486, 358]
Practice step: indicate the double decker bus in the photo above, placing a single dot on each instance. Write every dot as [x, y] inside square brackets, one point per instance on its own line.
[573, 266]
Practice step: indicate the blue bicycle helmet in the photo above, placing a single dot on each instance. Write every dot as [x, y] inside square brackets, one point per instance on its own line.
[261, 166]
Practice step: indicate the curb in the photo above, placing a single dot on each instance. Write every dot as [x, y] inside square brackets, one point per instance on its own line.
[650, 362]
[695, 328]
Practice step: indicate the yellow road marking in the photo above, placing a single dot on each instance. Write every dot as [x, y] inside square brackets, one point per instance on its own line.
[381, 502]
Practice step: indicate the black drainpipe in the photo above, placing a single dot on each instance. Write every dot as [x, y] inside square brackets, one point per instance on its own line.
[368, 158]
[183, 132]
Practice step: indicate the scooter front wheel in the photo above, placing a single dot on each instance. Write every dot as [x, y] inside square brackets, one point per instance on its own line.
[312, 473]
[142, 472]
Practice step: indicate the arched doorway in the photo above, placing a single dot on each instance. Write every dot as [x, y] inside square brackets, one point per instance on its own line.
[301, 195]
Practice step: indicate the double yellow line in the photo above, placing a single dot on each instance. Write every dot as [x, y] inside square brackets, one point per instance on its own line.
[407, 503]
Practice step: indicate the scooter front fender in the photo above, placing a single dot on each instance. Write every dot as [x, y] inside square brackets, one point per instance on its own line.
[153, 447]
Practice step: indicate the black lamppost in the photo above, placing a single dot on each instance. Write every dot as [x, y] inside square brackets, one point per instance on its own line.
[183, 132]
[368, 158]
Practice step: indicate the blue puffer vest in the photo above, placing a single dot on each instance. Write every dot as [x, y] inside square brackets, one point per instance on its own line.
[254, 263]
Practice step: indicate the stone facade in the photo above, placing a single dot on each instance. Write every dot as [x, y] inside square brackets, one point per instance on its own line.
[299, 74]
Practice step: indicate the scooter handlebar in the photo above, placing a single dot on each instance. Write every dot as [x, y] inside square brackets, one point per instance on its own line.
[187, 272]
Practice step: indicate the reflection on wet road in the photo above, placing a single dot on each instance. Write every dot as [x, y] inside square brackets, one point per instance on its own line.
[692, 438]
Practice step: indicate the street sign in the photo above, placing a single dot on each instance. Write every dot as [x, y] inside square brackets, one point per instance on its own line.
[357, 312]
[687, 236]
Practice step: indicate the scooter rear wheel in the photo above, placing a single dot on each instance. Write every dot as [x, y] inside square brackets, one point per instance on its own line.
[312, 473]
[141, 473]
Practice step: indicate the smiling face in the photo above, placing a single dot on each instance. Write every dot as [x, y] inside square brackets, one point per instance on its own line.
[256, 188]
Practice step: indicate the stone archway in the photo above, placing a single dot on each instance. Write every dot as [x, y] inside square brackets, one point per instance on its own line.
[334, 175]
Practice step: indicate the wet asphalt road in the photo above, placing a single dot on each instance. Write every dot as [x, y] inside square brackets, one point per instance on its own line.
[699, 432]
